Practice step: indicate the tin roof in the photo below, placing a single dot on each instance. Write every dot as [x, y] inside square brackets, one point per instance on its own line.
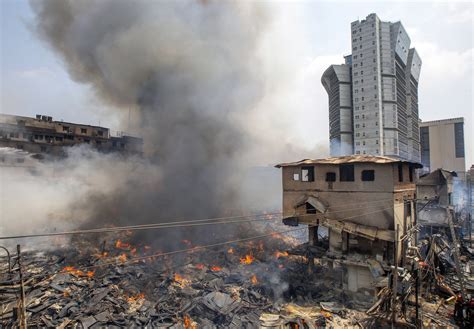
[349, 159]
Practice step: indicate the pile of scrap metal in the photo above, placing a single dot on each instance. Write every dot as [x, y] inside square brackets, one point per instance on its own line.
[430, 288]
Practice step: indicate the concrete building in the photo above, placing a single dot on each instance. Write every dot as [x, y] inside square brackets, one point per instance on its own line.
[42, 135]
[383, 88]
[361, 200]
[442, 145]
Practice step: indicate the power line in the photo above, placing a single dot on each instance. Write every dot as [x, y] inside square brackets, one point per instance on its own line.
[189, 223]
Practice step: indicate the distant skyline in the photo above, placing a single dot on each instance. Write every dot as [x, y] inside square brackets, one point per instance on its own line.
[315, 35]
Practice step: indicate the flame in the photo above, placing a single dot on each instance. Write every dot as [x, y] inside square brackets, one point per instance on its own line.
[216, 268]
[254, 279]
[122, 245]
[248, 259]
[180, 280]
[230, 250]
[122, 258]
[133, 299]
[188, 323]
[199, 266]
[76, 272]
[279, 254]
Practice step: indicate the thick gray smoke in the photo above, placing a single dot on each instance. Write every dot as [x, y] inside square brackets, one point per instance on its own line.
[188, 70]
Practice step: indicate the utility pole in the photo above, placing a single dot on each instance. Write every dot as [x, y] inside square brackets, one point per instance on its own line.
[22, 291]
[395, 278]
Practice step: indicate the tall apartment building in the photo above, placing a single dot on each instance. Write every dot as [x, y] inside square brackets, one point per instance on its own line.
[442, 145]
[373, 97]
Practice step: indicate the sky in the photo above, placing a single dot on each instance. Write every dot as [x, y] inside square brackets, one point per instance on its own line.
[313, 34]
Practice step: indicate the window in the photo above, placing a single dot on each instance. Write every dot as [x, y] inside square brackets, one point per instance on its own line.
[410, 173]
[296, 177]
[83, 131]
[100, 133]
[400, 172]
[65, 128]
[307, 174]
[330, 177]
[346, 173]
[459, 139]
[368, 175]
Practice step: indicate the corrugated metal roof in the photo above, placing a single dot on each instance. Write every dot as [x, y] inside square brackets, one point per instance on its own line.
[348, 159]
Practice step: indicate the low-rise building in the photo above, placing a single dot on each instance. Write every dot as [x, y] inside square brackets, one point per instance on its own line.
[362, 200]
[44, 135]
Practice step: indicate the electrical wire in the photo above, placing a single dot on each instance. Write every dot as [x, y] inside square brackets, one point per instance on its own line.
[190, 223]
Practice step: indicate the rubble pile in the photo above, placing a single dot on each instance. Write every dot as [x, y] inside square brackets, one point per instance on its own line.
[243, 285]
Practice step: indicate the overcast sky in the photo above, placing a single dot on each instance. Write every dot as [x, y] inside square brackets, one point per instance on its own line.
[317, 34]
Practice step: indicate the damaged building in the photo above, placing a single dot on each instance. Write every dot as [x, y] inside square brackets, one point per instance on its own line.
[43, 135]
[363, 201]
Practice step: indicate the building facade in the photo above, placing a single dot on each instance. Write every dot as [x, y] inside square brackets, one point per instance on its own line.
[362, 200]
[442, 145]
[383, 91]
[42, 135]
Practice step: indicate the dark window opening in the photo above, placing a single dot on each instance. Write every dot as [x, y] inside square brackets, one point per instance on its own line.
[459, 139]
[400, 172]
[330, 177]
[310, 209]
[100, 132]
[410, 173]
[65, 128]
[307, 174]
[346, 173]
[368, 175]
[83, 131]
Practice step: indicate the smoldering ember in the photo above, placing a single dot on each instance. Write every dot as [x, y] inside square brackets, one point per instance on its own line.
[199, 213]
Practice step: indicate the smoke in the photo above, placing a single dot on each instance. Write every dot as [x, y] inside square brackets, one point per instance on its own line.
[197, 79]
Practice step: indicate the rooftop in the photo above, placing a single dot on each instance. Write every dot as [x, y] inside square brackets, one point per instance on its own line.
[348, 159]
[443, 121]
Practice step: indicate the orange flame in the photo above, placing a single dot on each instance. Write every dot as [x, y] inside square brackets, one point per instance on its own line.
[279, 254]
[182, 281]
[216, 268]
[76, 272]
[248, 259]
[122, 245]
[132, 299]
[199, 266]
[122, 258]
[188, 323]
[254, 279]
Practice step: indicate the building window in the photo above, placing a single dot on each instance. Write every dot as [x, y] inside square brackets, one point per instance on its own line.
[65, 128]
[410, 173]
[459, 139]
[296, 177]
[83, 131]
[346, 173]
[330, 177]
[425, 146]
[307, 174]
[368, 175]
[100, 133]
[400, 172]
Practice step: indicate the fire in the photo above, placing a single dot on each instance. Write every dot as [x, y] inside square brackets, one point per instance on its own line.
[133, 299]
[216, 268]
[76, 272]
[254, 279]
[199, 266]
[122, 245]
[230, 250]
[122, 258]
[182, 281]
[248, 259]
[279, 254]
[188, 323]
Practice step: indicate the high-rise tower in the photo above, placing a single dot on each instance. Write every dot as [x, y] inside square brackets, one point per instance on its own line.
[383, 82]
